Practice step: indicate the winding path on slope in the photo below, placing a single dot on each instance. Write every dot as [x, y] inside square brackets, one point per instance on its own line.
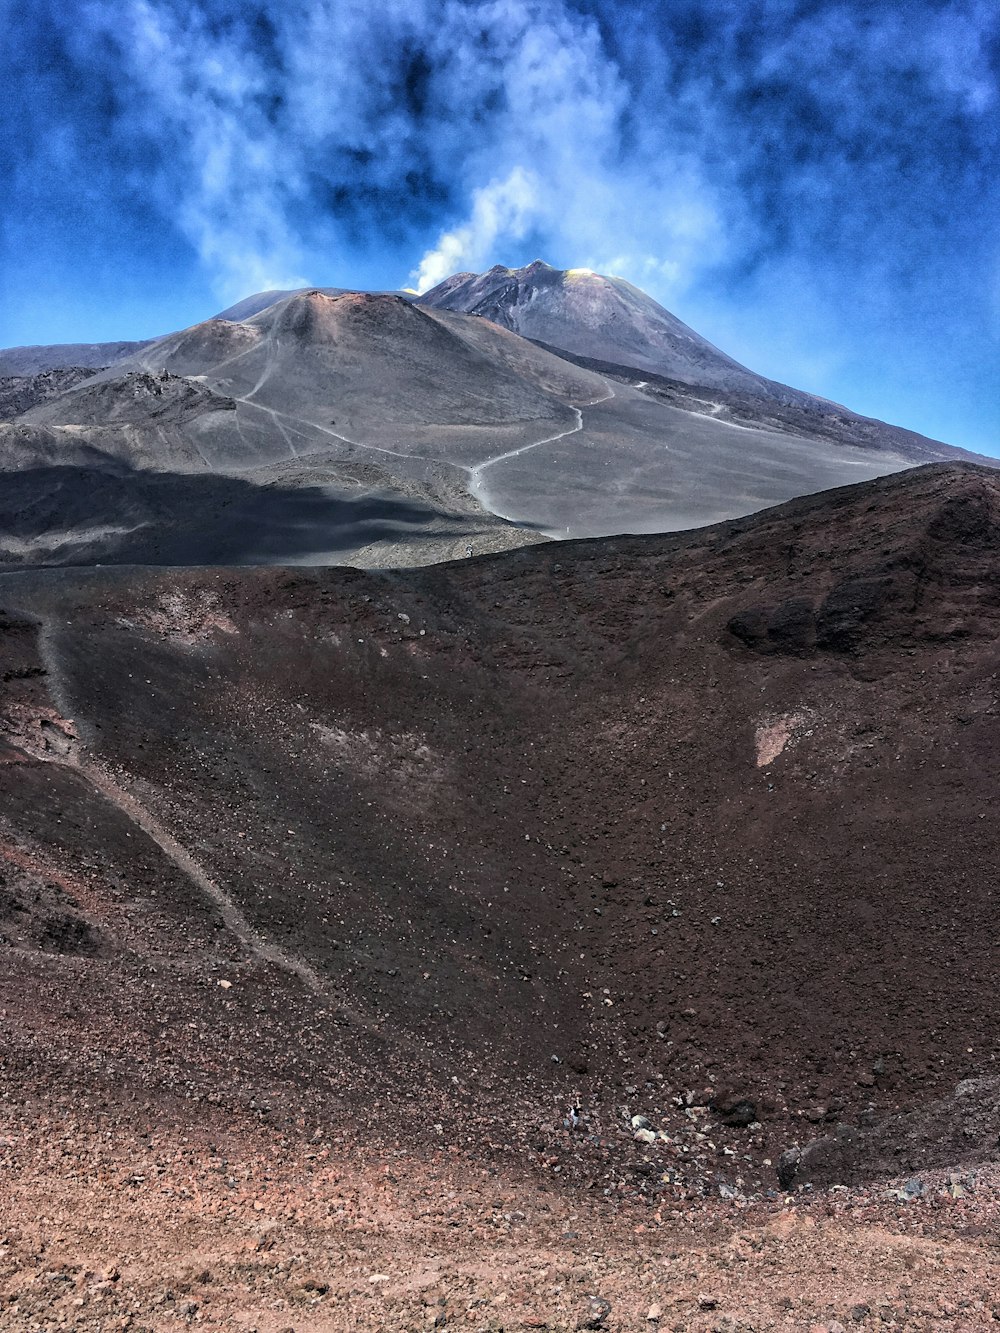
[474, 471]
[476, 486]
[235, 921]
[142, 818]
[74, 758]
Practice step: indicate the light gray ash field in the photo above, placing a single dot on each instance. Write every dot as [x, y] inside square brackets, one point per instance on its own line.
[323, 425]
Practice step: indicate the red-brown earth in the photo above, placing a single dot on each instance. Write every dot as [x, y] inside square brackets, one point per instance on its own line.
[579, 883]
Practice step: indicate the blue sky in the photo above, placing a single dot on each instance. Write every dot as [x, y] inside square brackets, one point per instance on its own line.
[811, 184]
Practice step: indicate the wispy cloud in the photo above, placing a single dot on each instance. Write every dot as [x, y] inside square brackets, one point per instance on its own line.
[575, 173]
[275, 130]
[223, 169]
[281, 135]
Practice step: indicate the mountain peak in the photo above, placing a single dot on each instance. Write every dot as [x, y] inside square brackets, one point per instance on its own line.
[591, 314]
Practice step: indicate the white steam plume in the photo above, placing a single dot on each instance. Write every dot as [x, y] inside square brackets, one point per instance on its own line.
[595, 200]
[227, 178]
[501, 209]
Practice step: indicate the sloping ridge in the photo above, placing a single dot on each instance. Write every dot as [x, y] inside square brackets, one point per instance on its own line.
[364, 365]
[608, 325]
[786, 410]
[430, 417]
[707, 813]
[260, 301]
[135, 398]
[592, 315]
[58, 356]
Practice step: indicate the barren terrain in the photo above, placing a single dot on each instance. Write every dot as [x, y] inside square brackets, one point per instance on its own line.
[320, 426]
[506, 933]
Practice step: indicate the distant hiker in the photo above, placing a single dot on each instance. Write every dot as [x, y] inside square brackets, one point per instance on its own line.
[468, 549]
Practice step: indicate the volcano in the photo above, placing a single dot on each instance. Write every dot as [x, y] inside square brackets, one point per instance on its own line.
[324, 425]
[406, 938]
[665, 861]
[604, 318]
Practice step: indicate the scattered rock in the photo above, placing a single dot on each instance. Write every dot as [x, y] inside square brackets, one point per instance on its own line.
[741, 1115]
[596, 1314]
[788, 1165]
[913, 1189]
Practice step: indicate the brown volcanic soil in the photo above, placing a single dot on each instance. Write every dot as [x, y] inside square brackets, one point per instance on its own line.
[476, 863]
[165, 1223]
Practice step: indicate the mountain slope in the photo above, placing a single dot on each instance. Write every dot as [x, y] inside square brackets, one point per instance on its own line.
[352, 372]
[21, 361]
[338, 427]
[455, 429]
[594, 316]
[20, 393]
[594, 826]
[260, 301]
[784, 410]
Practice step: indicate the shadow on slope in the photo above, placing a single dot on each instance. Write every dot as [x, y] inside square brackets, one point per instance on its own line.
[643, 826]
[87, 515]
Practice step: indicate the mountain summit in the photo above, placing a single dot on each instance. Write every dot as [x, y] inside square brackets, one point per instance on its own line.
[591, 315]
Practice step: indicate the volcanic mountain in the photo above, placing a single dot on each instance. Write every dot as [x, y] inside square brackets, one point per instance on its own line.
[379, 945]
[320, 425]
[21, 362]
[605, 318]
[324, 425]
[609, 325]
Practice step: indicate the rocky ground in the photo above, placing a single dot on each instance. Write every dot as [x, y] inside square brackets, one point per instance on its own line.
[607, 920]
[19, 393]
[200, 1221]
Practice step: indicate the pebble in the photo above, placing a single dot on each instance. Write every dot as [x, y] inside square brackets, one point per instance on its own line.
[596, 1315]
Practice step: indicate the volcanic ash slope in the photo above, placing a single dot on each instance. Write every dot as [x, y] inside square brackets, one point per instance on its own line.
[594, 825]
[367, 428]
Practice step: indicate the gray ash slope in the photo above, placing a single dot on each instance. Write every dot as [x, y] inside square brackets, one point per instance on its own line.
[592, 315]
[20, 361]
[611, 326]
[20, 393]
[791, 411]
[260, 301]
[320, 425]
